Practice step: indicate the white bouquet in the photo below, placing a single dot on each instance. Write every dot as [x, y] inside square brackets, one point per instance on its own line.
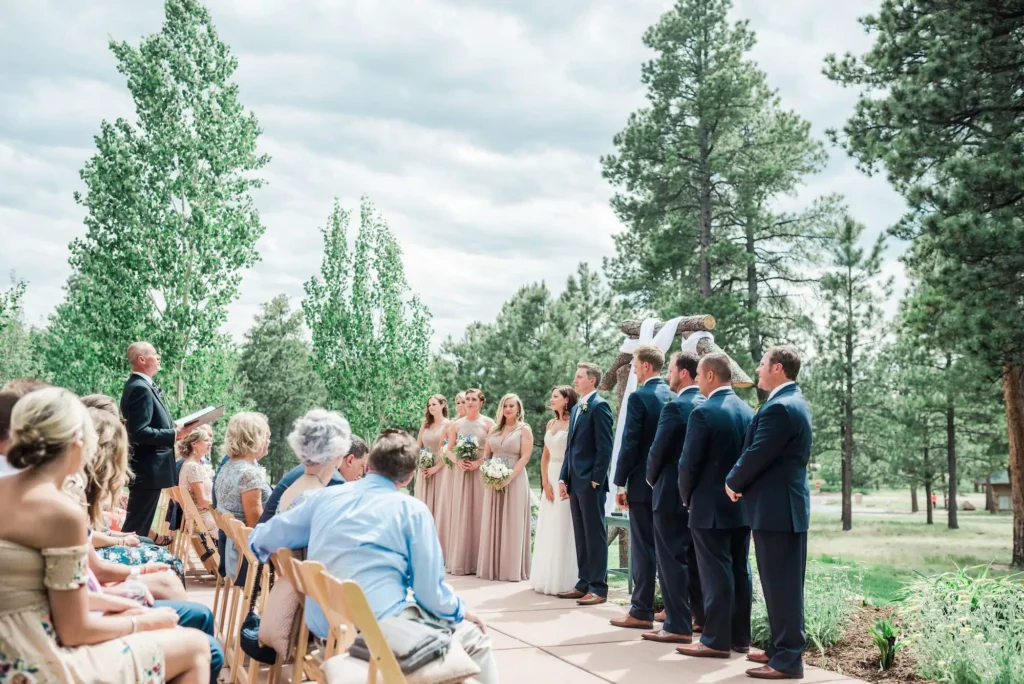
[495, 472]
[427, 458]
[466, 448]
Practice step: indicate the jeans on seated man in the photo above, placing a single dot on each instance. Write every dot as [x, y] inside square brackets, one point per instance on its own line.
[370, 532]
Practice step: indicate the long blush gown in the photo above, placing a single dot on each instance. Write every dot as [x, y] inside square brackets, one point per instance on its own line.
[505, 525]
[467, 501]
[431, 490]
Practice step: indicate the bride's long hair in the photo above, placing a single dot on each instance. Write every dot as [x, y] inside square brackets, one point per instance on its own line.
[570, 396]
[499, 419]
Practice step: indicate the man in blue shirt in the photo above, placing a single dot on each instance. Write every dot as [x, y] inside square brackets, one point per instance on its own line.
[372, 533]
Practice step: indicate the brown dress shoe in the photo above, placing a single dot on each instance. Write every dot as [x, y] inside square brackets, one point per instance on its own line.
[592, 600]
[630, 622]
[663, 637]
[756, 655]
[699, 650]
[741, 649]
[573, 594]
[660, 616]
[765, 672]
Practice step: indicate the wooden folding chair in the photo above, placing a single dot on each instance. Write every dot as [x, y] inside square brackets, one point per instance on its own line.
[196, 525]
[308, 664]
[346, 608]
[176, 546]
[282, 561]
[240, 536]
[229, 602]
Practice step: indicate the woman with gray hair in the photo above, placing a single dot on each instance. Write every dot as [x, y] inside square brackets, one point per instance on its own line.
[320, 440]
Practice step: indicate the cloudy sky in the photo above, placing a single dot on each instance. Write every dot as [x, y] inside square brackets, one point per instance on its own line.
[475, 126]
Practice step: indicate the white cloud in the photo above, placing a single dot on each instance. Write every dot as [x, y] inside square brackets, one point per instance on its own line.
[475, 128]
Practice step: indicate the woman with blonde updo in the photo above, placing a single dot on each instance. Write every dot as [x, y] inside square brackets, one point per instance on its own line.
[505, 524]
[195, 478]
[50, 629]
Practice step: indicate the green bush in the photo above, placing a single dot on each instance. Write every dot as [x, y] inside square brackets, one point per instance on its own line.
[967, 630]
[829, 598]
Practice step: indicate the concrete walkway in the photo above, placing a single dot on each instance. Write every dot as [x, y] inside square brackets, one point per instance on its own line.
[544, 640]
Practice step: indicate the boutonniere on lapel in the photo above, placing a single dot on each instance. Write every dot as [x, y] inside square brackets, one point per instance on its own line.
[584, 407]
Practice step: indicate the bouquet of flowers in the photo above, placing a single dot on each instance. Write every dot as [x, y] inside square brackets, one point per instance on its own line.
[495, 472]
[427, 459]
[466, 448]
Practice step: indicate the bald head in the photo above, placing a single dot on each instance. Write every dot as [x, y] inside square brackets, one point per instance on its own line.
[143, 358]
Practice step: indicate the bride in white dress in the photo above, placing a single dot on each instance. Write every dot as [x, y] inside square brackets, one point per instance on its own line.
[554, 548]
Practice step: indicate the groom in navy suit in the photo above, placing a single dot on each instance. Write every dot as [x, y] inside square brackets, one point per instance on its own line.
[721, 533]
[771, 478]
[643, 409]
[677, 559]
[584, 481]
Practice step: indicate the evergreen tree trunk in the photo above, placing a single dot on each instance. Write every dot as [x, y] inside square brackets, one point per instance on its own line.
[914, 508]
[705, 211]
[990, 500]
[848, 422]
[951, 456]
[928, 485]
[1013, 396]
[754, 340]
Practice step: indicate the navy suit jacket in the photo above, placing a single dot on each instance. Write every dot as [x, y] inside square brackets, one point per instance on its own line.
[286, 481]
[643, 409]
[589, 449]
[151, 434]
[714, 441]
[772, 472]
[663, 461]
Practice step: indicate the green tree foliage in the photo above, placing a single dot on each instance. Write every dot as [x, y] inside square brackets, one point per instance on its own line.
[18, 356]
[10, 303]
[277, 377]
[852, 291]
[170, 220]
[698, 172]
[941, 111]
[371, 335]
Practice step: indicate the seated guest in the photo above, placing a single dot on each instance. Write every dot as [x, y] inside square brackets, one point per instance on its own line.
[349, 468]
[241, 488]
[371, 532]
[106, 477]
[320, 440]
[9, 395]
[43, 558]
[195, 478]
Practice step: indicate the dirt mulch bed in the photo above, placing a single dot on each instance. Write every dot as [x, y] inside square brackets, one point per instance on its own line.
[856, 656]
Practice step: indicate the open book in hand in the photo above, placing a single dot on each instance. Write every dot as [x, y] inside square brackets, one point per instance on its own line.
[201, 417]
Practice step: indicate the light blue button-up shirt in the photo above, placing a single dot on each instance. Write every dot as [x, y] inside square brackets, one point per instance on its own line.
[369, 532]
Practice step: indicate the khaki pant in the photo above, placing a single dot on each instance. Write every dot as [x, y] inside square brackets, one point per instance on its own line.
[473, 640]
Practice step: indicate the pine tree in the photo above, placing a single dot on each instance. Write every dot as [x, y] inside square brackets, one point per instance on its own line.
[171, 224]
[371, 335]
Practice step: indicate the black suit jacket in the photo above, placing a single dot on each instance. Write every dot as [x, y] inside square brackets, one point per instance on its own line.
[150, 435]
[667, 449]
[714, 440]
[772, 472]
[643, 409]
[589, 449]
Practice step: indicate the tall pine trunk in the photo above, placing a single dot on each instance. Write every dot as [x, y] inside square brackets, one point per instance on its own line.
[914, 508]
[704, 201]
[928, 485]
[848, 422]
[1013, 399]
[754, 339]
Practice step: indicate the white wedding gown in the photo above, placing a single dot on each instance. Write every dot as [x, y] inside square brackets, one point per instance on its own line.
[554, 548]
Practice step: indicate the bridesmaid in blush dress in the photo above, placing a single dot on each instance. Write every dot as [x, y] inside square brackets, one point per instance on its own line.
[505, 525]
[467, 489]
[430, 481]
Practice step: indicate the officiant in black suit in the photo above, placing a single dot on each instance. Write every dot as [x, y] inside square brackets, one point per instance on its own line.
[151, 437]
[584, 481]
[771, 478]
[643, 409]
[677, 559]
[721, 534]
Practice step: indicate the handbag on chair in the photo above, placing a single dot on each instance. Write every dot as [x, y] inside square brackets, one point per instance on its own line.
[415, 642]
[282, 612]
[249, 636]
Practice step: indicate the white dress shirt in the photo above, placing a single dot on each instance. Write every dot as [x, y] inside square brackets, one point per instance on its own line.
[776, 390]
[719, 389]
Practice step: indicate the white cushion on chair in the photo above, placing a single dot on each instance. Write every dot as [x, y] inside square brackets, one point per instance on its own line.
[455, 667]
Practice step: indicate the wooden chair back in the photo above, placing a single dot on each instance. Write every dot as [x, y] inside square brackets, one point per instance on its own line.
[308, 663]
[347, 608]
[197, 525]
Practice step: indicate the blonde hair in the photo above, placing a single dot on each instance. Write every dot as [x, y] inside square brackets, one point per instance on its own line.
[499, 418]
[649, 353]
[44, 423]
[248, 432]
[184, 447]
[108, 473]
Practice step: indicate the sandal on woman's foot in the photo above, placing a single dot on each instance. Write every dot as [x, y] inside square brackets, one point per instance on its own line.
[163, 540]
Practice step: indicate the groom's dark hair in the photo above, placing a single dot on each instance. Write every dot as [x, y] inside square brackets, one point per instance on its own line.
[394, 455]
[686, 361]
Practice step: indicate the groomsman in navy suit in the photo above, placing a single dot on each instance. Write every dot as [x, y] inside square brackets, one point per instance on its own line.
[584, 482]
[714, 441]
[771, 478]
[677, 559]
[643, 409]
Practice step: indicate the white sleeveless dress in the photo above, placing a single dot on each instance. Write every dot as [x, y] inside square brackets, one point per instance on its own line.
[554, 549]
